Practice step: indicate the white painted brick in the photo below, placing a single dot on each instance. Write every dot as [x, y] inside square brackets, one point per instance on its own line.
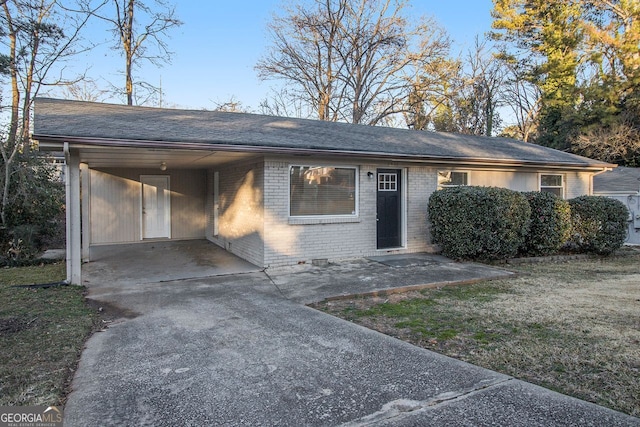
[276, 242]
[241, 222]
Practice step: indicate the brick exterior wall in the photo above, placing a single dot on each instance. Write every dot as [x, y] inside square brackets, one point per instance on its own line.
[422, 182]
[290, 242]
[293, 240]
[254, 220]
[241, 213]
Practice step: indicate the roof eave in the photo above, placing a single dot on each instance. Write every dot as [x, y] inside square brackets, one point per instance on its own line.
[56, 142]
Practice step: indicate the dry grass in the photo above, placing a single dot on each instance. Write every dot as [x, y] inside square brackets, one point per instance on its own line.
[42, 332]
[573, 327]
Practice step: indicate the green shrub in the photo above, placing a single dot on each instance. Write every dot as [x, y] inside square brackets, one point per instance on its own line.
[550, 223]
[479, 222]
[599, 224]
[34, 204]
[36, 195]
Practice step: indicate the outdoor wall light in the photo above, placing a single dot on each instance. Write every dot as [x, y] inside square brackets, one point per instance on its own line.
[370, 175]
[163, 166]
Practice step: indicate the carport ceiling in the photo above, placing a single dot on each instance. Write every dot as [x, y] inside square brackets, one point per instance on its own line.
[100, 157]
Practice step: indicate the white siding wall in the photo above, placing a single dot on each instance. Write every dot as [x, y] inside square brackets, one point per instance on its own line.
[514, 180]
[188, 199]
[209, 217]
[115, 208]
[576, 183]
[115, 204]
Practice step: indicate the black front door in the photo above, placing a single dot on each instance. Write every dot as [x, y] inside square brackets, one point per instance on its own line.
[389, 208]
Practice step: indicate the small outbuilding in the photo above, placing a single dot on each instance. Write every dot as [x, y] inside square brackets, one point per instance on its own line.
[273, 190]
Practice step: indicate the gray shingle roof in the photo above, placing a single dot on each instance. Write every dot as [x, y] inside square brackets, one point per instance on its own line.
[620, 179]
[76, 120]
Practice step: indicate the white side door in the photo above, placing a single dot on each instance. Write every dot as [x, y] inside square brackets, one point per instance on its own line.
[156, 206]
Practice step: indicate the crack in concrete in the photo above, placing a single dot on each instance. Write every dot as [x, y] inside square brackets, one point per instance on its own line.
[400, 408]
[273, 282]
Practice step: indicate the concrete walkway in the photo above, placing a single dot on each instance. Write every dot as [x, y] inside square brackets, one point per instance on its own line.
[242, 350]
[377, 275]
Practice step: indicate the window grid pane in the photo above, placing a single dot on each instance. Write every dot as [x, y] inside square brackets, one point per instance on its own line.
[551, 180]
[318, 190]
[387, 182]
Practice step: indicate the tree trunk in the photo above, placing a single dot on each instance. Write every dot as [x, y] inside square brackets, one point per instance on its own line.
[9, 148]
[128, 49]
[28, 89]
[13, 67]
[5, 193]
[489, 113]
[129, 84]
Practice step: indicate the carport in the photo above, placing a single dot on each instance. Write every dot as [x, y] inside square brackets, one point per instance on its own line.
[133, 199]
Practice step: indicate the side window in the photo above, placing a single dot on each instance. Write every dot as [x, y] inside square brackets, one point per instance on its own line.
[552, 184]
[452, 179]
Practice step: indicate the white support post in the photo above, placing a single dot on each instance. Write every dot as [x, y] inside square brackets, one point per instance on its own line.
[85, 207]
[74, 241]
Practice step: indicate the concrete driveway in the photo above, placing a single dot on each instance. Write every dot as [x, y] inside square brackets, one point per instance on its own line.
[242, 350]
[159, 261]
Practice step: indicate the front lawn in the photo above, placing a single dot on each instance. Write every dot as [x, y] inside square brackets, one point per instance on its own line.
[42, 332]
[573, 327]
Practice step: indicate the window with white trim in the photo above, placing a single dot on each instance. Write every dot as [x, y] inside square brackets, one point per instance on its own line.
[448, 179]
[552, 183]
[322, 191]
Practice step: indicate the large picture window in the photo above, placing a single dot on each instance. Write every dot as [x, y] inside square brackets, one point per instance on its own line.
[322, 190]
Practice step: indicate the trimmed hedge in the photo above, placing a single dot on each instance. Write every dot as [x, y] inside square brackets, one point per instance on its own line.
[550, 225]
[479, 222]
[599, 224]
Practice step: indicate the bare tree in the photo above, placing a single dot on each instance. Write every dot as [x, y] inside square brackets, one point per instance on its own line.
[232, 105]
[40, 35]
[618, 143]
[303, 54]
[85, 90]
[284, 103]
[138, 27]
[486, 77]
[523, 97]
[350, 60]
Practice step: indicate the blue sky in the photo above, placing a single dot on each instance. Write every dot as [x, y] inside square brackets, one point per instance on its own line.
[217, 47]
